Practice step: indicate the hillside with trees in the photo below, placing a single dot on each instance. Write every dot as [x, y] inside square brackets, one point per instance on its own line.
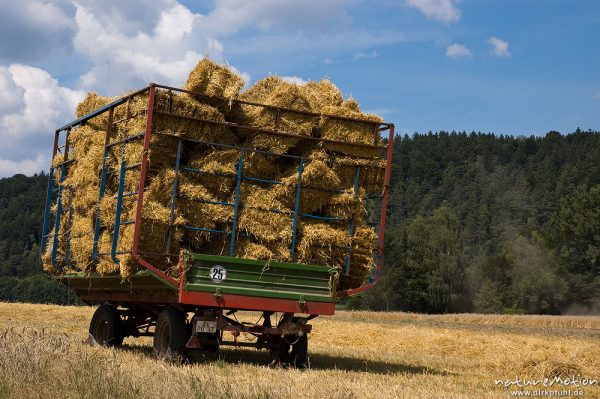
[477, 222]
[493, 224]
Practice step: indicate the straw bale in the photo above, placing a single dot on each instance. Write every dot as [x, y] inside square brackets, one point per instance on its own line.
[273, 251]
[371, 175]
[322, 94]
[264, 166]
[90, 103]
[212, 79]
[316, 177]
[82, 240]
[351, 104]
[323, 244]
[217, 163]
[351, 132]
[362, 259]
[250, 250]
[278, 93]
[188, 107]
[257, 219]
[346, 130]
[262, 88]
[347, 205]
[153, 234]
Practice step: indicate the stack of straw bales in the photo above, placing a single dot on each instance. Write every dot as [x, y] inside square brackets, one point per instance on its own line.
[264, 229]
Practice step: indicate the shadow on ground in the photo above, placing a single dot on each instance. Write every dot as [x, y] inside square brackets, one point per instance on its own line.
[317, 361]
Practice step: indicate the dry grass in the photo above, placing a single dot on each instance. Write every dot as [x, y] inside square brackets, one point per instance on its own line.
[352, 355]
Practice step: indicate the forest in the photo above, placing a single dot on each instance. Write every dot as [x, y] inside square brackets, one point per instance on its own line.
[476, 223]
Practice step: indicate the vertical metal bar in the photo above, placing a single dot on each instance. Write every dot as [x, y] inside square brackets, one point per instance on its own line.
[236, 204]
[47, 210]
[296, 209]
[173, 195]
[386, 188]
[66, 154]
[68, 239]
[49, 195]
[115, 240]
[277, 118]
[349, 254]
[144, 170]
[388, 172]
[102, 183]
[63, 172]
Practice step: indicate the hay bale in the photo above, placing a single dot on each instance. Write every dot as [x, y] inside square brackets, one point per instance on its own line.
[347, 205]
[278, 93]
[316, 177]
[187, 106]
[362, 259]
[211, 79]
[82, 240]
[323, 244]
[322, 94]
[90, 103]
[258, 220]
[349, 131]
[371, 175]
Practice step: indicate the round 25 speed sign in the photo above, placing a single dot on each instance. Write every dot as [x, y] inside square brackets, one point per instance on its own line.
[217, 274]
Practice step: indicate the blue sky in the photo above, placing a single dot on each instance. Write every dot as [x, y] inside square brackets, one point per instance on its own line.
[516, 67]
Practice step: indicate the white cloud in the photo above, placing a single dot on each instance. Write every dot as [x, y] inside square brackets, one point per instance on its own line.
[174, 38]
[24, 166]
[125, 59]
[34, 30]
[37, 105]
[360, 55]
[231, 16]
[499, 47]
[294, 79]
[458, 51]
[439, 10]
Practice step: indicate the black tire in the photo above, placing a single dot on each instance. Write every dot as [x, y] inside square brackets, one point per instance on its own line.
[106, 326]
[170, 335]
[299, 355]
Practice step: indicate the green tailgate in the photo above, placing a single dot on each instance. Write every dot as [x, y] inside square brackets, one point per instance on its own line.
[259, 278]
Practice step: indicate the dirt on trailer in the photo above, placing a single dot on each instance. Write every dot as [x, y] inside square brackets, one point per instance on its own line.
[45, 352]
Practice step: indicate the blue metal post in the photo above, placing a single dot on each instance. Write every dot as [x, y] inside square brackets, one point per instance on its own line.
[296, 208]
[100, 196]
[115, 241]
[47, 209]
[111, 111]
[236, 205]
[63, 173]
[349, 254]
[173, 195]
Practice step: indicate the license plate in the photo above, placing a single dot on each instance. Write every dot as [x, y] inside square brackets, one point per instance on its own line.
[205, 326]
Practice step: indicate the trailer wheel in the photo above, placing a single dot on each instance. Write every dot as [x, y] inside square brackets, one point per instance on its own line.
[171, 332]
[299, 355]
[107, 327]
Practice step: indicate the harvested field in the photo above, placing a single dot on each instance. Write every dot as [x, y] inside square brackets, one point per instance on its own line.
[352, 355]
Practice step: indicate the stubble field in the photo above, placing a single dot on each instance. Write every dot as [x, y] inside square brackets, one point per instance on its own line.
[44, 354]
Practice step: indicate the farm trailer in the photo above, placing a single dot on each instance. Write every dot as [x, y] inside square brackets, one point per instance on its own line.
[195, 309]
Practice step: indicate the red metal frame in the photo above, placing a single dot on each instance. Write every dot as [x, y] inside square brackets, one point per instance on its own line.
[138, 214]
[388, 173]
[227, 301]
